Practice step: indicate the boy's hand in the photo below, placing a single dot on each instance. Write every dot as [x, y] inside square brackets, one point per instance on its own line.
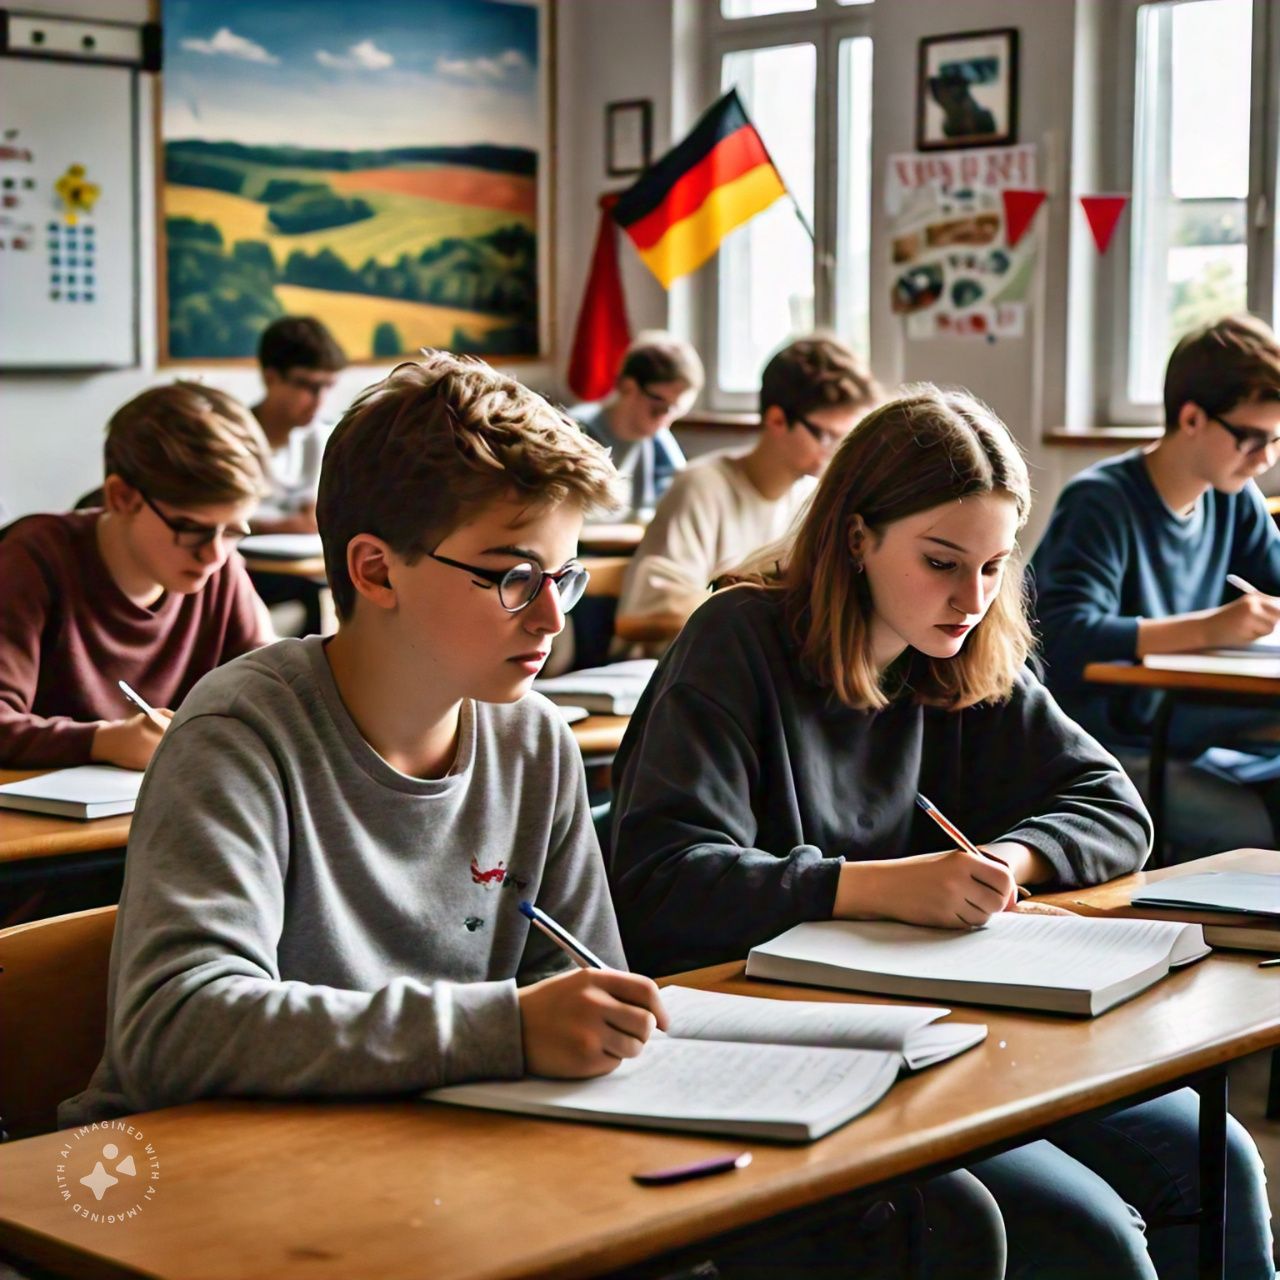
[1242, 621]
[583, 1023]
[128, 743]
[951, 890]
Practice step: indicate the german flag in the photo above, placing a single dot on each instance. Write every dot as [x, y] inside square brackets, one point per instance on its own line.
[715, 180]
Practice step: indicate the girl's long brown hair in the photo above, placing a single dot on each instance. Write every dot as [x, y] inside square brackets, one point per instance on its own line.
[923, 449]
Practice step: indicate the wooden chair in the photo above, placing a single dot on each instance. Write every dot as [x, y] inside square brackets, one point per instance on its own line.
[53, 1014]
[607, 573]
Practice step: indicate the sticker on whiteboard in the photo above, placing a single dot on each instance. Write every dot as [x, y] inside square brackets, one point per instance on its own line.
[77, 193]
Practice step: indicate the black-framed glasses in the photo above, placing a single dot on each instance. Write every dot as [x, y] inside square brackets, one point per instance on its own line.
[1250, 441]
[191, 536]
[661, 405]
[316, 386]
[518, 586]
[825, 438]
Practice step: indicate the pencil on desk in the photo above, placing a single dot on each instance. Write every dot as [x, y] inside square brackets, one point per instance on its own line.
[960, 838]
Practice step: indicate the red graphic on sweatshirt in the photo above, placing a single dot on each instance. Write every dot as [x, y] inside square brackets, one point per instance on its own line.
[495, 875]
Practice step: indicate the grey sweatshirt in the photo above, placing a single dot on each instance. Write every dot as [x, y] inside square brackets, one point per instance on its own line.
[298, 917]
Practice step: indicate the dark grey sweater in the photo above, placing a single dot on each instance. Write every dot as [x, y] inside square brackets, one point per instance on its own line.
[742, 786]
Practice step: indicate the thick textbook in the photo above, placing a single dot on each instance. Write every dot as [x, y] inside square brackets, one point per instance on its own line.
[742, 1065]
[87, 791]
[1063, 964]
[613, 690]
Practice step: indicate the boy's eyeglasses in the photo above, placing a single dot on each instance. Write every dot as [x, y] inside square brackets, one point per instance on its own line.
[316, 386]
[518, 586]
[828, 440]
[1249, 440]
[663, 407]
[195, 537]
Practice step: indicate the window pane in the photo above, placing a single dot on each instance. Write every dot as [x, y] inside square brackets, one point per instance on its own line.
[1190, 177]
[853, 235]
[766, 266]
[758, 8]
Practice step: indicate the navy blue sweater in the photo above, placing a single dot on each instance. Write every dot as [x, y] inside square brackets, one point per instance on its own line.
[1114, 553]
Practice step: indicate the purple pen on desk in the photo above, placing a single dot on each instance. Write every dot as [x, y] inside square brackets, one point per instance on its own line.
[698, 1169]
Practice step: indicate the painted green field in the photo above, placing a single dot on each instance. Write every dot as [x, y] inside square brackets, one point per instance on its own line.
[402, 223]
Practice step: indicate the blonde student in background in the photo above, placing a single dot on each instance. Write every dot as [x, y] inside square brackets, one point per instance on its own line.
[727, 505]
[771, 772]
[146, 588]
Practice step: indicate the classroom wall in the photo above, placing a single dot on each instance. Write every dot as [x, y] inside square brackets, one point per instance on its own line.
[50, 425]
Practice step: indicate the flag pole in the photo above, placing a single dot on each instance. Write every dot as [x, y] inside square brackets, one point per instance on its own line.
[795, 204]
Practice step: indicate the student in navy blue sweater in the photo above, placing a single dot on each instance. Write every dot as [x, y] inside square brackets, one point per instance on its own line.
[1135, 562]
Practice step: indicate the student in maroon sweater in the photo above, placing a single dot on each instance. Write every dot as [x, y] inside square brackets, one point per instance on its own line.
[147, 589]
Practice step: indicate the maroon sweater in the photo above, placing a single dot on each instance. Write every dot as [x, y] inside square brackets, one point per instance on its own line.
[68, 633]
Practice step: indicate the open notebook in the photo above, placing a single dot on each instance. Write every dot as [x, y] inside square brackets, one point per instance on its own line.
[1065, 964]
[740, 1065]
[1219, 662]
[613, 690]
[87, 791]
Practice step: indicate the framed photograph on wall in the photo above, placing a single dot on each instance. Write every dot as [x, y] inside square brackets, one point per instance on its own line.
[384, 167]
[628, 137]
[967, 90]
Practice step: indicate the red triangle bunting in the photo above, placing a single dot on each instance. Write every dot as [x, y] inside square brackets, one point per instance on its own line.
[1019, 208]
[1103, 213]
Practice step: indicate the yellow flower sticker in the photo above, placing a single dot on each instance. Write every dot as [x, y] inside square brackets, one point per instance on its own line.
[77, 193]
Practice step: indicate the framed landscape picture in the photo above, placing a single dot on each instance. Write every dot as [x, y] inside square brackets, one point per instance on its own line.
[382, 166]
[967, 90]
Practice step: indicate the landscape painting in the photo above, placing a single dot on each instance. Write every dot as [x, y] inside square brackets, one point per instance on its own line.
[375, 165]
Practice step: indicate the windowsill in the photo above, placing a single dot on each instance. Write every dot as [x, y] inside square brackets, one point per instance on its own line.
[1101, 437]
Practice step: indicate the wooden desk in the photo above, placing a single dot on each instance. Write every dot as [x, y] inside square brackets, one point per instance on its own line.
[304, 567]
[1273, 506]
[610, 539]
[37, 835]
[599, 737]
[1174, 687]
[1113, 898]
[325, 1191]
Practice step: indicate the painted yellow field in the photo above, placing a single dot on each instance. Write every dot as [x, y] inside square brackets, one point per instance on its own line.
[353, 317]
[402, 224]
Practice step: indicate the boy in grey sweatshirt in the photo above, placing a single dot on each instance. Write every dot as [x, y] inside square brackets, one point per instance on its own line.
[331, 843]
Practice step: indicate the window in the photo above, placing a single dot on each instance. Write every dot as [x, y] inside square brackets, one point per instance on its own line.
[805, 262]
[1199, 166]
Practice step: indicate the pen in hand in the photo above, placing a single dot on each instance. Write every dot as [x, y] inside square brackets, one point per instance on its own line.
[578, 952]
[961, 839]
[143, 705]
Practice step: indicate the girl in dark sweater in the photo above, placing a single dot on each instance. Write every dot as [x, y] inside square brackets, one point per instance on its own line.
[769, 777]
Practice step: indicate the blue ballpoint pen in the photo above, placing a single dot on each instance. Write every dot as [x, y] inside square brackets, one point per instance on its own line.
[577, 951]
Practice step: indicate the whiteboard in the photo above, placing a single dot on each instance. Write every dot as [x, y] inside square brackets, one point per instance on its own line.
[68, 215]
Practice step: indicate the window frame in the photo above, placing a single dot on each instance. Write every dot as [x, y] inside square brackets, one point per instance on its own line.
[824, 27]
[1112, 352]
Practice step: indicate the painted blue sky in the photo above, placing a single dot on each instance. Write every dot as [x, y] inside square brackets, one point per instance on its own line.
[328, 73]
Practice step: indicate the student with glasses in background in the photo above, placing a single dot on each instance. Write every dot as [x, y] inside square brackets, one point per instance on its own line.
[145, 588]
[300, 362]
[660, 378]
[727, 505]
[1135, 561]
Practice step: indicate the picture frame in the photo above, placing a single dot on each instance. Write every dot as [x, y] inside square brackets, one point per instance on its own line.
[388, 170]
[628, 137]
[967, 90]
